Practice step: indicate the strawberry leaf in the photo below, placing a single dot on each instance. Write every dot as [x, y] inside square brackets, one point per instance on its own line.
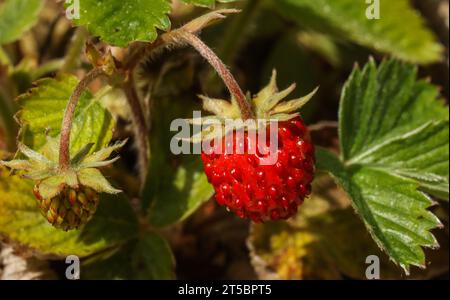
[393, 122]
[16, 17]
[404, 37]
[43, 110]
[120, 22]
[394, 142]
[22, 223]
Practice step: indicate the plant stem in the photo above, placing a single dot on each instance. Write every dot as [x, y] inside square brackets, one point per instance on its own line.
[140, 125]
[66, 127]
[221, 69]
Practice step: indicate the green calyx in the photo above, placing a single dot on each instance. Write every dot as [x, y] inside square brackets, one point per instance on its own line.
[268, 105]
[51, 180]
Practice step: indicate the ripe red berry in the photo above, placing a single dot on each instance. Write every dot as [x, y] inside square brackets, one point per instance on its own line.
[264, 192]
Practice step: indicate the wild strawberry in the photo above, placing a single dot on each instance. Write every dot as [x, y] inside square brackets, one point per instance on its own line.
[70, 209]
[264, 192]
[245, 185]
[66, 198]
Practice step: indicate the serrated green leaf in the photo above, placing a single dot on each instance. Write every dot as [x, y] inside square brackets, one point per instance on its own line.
[21, 222]
[399, 31]
[394, 142]
[392, 208]
[43, 110]
[16, 17]
[390, 120]
[120, 22]
[151, 259]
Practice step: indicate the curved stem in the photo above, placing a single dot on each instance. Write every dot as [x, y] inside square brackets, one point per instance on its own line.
[221, 69]
[140, 126]
[66, 127]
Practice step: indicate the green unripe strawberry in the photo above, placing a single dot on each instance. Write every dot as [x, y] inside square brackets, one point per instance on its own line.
[70, 209]
[67, 198]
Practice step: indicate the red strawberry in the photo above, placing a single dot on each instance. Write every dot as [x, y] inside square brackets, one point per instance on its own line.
[264, 192]
[244, 181]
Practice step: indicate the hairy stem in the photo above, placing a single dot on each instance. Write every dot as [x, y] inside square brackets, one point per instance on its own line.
[221, 69]
[66, 127]
[140, 126]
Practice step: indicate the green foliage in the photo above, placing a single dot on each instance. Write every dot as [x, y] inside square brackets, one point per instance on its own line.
[312, 245]
[153, 258]
[43, 110]
[148, 258]
[390, 120]
[180, 194]
[324, 241]
[120, 22]
[175, 187]
[21, 222]
[16, 17]
[404, 36]
[394, 140]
